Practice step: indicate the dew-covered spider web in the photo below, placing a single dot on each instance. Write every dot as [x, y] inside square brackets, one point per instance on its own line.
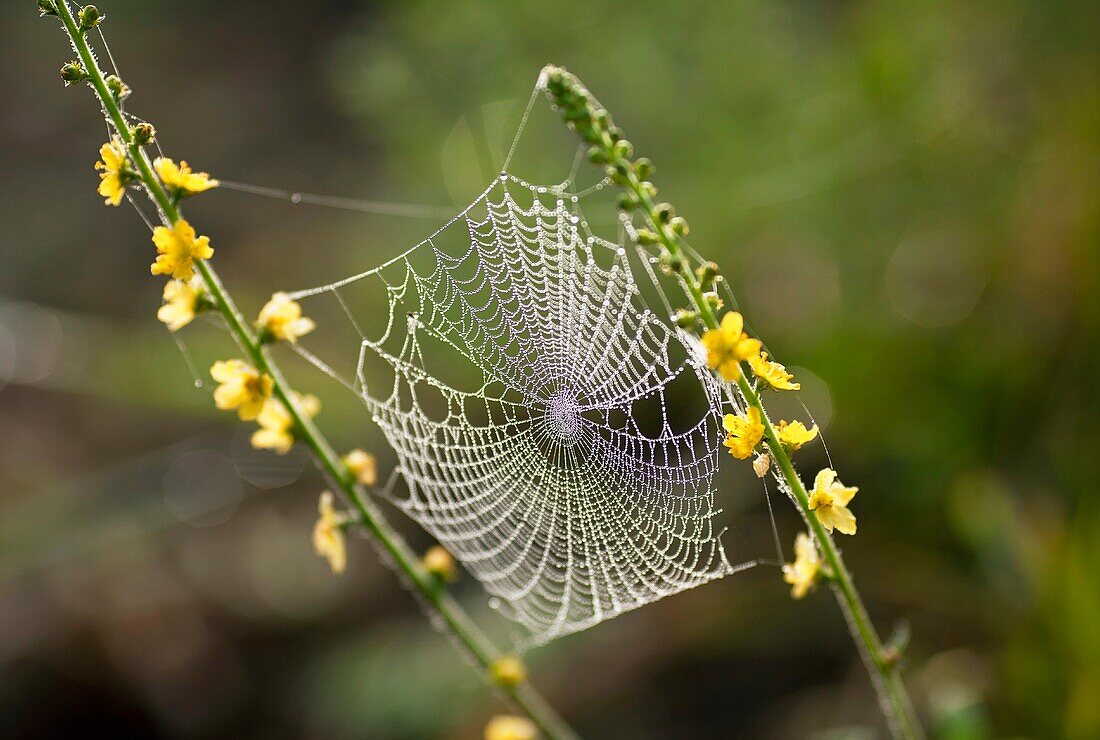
[528, 404]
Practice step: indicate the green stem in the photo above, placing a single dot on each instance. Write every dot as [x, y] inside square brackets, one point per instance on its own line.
[369, 516]
[881, 666]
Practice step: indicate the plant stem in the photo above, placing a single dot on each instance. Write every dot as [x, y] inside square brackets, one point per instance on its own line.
[398, 552]
[881, 666]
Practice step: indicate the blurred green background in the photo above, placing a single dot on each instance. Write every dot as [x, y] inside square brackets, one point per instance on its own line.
[903, 195]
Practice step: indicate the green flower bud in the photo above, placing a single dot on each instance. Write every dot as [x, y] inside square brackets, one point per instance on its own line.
[119, 89]
[665, 212]
[602, 118]
[679, 226]
[707, 272]
[615, 133]
[713, 300]
[624, 149]
[649, 188]
[73, 72]
[628, 202]
[89, 18]
[46, 7]
[647, 238]
[685, 319]
[596, 155]
[671, 263]
[143, 133]
[644, 168]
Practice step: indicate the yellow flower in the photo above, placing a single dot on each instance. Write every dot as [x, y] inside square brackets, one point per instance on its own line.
[180, 179]
[180, 301]
[744, 433]
[440, 564]
[830, 500]
[793, 435]
[728, 345]
[363, 466]
[510, 727]
[772, 373]
[802, 573]
[276, 430]
[242, 387]
[177, 249]
[328, 534]
[507, 671]
[115, 175]
[282, 318]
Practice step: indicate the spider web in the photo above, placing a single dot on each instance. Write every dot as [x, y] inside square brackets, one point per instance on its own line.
[558, 478]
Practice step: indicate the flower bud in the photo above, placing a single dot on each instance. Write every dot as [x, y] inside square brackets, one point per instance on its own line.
[143, 133]
[46, 7]
[89, 17]
[685, 319]
[507, 671]
[615, 133]
[440, 564]
[597, 155]
[665, 212]
[671, 263]
[679, 226]
[644, 167]
[647, 238]
[624, 149]
[713, 300]
[649, 189]
[73, 72]
[707, 272]
[628, 202]
[119, 89]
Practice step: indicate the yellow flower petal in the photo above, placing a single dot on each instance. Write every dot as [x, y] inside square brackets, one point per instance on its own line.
[242, 387]
[829, 500]
[793, 435]
[363, 466]
[772, 373]
[180, 179]
[180, 301]
[744, 433]
[440, 563]
[115, 173]
[328, 534]
[727, 346]
[510, 727]
[177, 249]
[282, 318]
[802, 573]
[507, 671]
[277, 426]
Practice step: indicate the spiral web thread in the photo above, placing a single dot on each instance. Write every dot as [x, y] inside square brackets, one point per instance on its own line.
[551, 482]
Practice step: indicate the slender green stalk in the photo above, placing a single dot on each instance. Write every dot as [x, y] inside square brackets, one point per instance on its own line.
[609, 147]
[457, 622]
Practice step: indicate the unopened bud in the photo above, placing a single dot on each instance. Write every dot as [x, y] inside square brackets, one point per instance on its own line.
[143, 133]
[440, 564]
[627, 202]
[679, 226]
[647, 238]
[665, 212]
[686, 319]
[597, 155]
[615, 133]
[707, 272]
[89, 17]
[713, 300]
[119, 89]
[649, 189]
[624, 149]
[46, 7]
[671, 263]
[644, 167]
[73, 72]
[507, 671]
